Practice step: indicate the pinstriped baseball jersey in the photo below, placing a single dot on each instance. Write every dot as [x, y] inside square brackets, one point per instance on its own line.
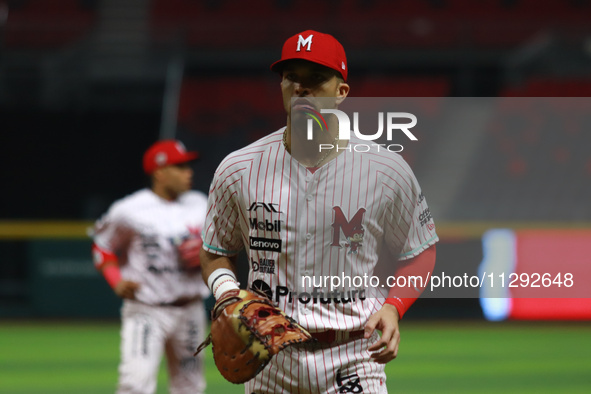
[144, 231]
[295, 222]
[342, 368]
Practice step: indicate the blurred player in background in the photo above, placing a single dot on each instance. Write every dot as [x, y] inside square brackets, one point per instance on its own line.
[147, 247]
[318, 214]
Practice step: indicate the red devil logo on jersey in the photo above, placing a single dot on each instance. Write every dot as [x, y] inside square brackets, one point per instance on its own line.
[352, 229]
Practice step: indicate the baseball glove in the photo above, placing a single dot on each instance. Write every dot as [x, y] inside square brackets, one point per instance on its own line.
[247, 330]
[189, 253]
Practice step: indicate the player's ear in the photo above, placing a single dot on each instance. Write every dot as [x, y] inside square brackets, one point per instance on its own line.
[158, 175]
[342, 91]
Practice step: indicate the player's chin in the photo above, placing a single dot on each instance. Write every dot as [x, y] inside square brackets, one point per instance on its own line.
[299, 113]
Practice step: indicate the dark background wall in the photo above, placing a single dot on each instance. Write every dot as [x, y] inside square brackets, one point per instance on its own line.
[87, 86]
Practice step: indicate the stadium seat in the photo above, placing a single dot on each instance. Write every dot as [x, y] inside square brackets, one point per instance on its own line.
[47, 24]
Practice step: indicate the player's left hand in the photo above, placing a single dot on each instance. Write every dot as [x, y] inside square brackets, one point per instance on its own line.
[189, 252]
[385, 320]
[247, 330]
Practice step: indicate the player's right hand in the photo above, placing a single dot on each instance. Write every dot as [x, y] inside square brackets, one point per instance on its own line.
[385, 320]
[126, 289]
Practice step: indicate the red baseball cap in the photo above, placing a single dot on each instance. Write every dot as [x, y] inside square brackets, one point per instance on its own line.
[315, 47]
[164, 153]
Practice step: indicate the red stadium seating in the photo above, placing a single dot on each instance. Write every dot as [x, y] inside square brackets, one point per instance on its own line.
[46, 24]
[211, 99]
[358, 23]
[250, 108]
[550, 87]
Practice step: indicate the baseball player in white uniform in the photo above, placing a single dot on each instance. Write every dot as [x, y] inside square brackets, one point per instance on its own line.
[318, 214]
[147, 247]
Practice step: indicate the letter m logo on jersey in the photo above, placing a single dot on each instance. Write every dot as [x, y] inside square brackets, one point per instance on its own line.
[352, 230]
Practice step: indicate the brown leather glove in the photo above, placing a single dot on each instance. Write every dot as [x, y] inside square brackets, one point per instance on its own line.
[247, 330]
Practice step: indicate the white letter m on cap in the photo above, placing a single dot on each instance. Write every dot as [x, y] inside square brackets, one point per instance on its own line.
[304, 42]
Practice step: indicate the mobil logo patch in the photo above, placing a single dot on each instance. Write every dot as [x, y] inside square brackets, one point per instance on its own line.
[266, 225]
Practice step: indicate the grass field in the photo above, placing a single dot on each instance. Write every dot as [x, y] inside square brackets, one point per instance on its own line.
[434, 357]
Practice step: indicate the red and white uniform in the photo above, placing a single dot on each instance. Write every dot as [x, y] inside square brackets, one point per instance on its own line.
[334, 221]
[144, 231]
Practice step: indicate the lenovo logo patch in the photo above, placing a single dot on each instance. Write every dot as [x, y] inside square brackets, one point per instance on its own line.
[270, 245]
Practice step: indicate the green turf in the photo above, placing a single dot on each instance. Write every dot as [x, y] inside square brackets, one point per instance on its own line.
[434, 357]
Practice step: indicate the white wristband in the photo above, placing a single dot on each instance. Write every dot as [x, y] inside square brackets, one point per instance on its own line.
[224, 285]
[222, 280]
